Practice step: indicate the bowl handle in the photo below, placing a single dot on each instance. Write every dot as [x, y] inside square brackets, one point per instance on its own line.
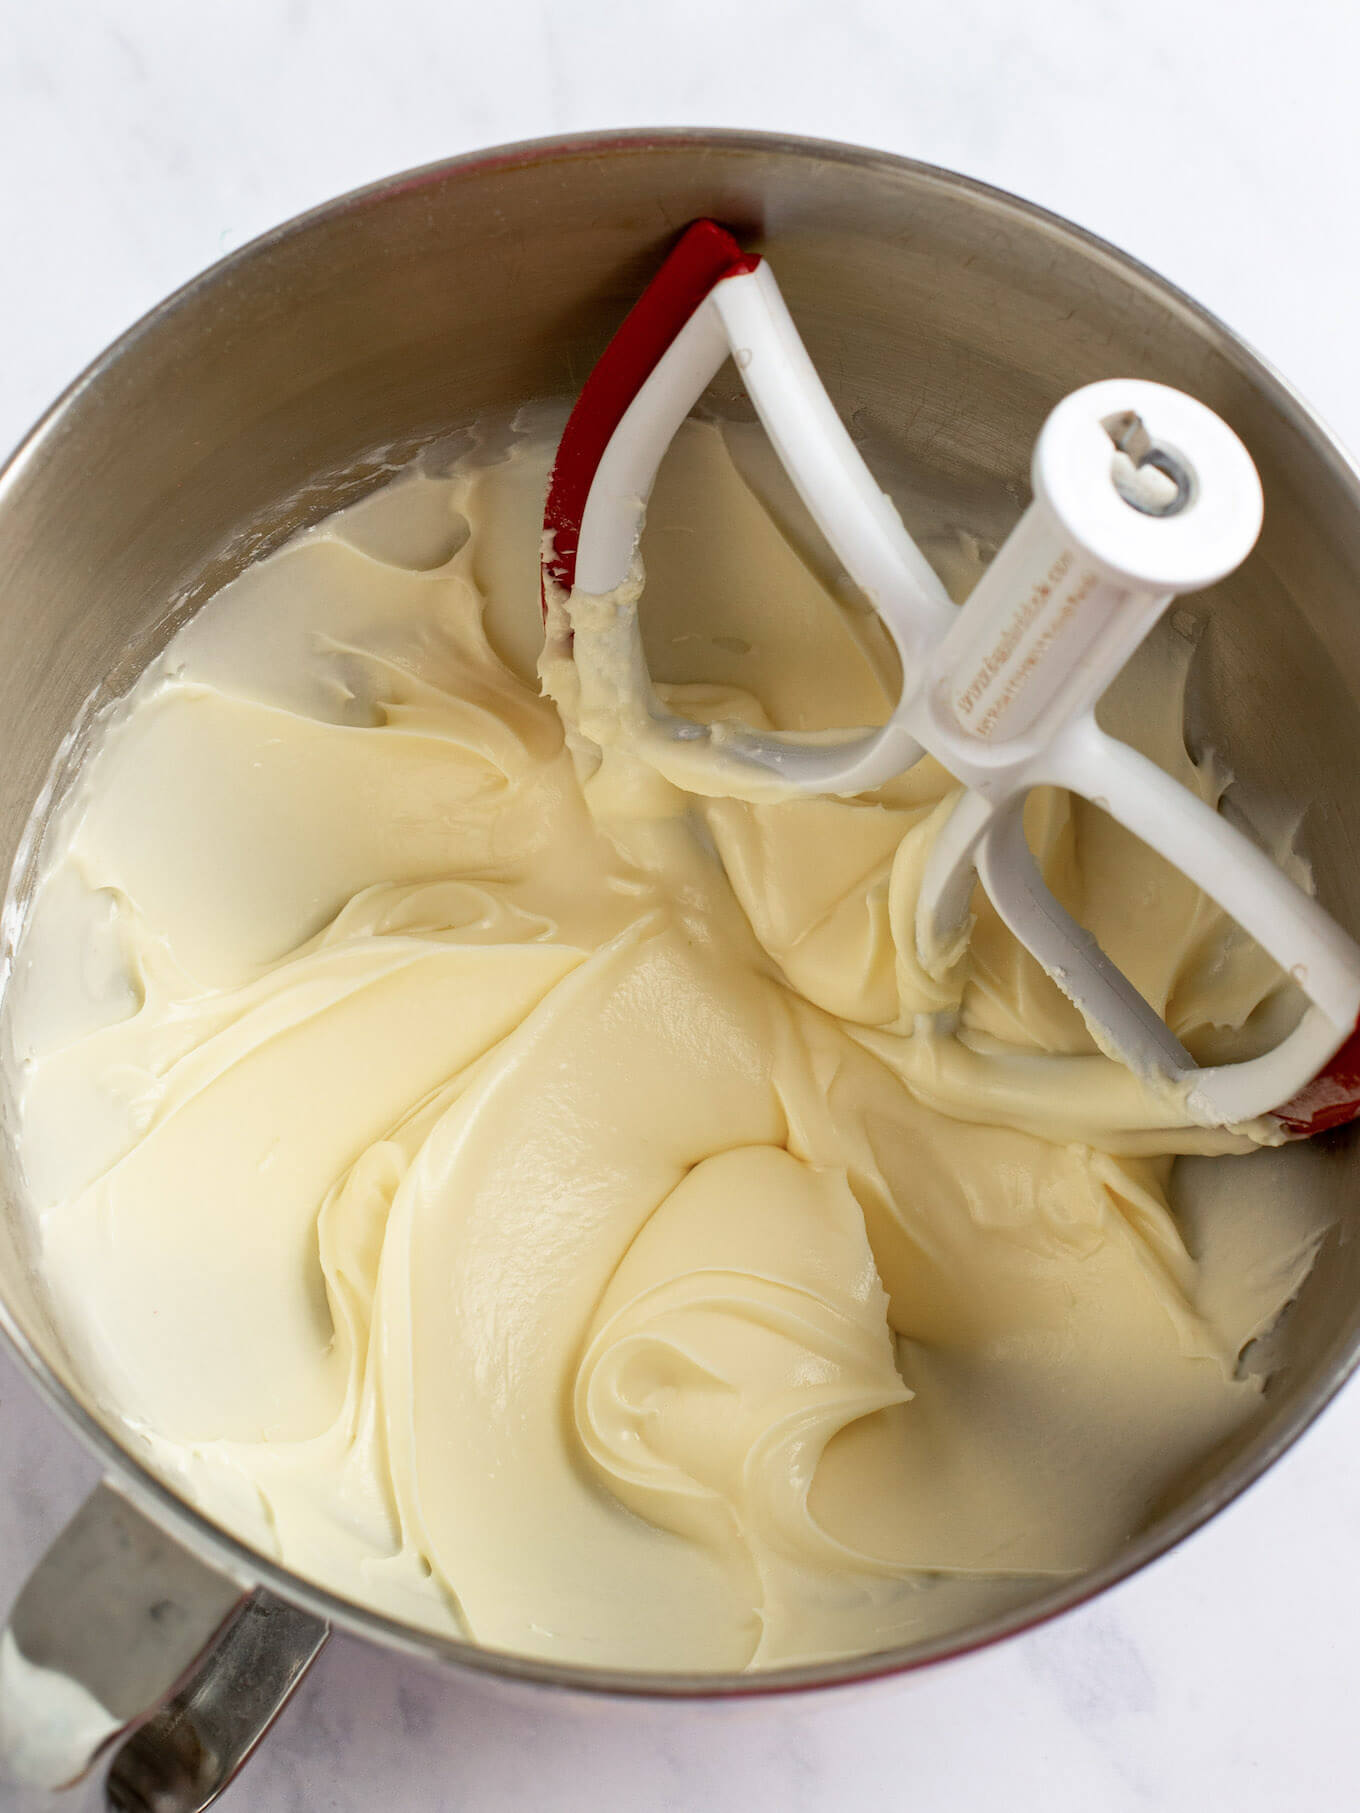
[120, 1636]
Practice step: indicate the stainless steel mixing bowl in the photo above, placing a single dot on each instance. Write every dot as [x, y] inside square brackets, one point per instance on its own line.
[947, 320]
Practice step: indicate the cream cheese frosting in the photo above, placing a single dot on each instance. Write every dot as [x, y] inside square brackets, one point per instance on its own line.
[555, 1207]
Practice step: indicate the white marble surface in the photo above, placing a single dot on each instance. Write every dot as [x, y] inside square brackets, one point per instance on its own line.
[139, 139]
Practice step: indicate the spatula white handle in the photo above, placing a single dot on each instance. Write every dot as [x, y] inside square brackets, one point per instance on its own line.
[1095, 560]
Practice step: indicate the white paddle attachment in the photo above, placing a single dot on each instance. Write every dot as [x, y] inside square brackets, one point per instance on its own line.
[1140, 493]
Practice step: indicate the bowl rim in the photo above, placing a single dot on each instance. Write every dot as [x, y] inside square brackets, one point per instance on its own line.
[189, 1525]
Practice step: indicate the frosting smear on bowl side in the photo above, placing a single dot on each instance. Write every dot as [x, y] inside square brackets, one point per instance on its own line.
[554, 1207]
